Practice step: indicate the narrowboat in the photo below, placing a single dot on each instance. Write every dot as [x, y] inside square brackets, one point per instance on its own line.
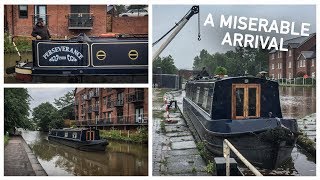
[244, 110]
[84, 139]
[83, 56]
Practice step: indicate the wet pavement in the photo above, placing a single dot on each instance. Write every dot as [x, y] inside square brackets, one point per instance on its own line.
[19, 159]
[175, 151]
[308, 126]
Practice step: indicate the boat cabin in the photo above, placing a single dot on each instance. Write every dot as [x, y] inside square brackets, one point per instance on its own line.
[82, 134]
[236, 98]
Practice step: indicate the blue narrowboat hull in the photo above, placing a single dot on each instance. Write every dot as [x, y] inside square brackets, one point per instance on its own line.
[96, 145]
[265, 142]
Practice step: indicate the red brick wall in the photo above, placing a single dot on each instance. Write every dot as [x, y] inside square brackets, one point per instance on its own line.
[312, 68]
[308, 45]
[135, 25]
[128, 108]
[58, 22]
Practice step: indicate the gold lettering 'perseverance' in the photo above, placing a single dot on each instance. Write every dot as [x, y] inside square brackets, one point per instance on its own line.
[62, 49]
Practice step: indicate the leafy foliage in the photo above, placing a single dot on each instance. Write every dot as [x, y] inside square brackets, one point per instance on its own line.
[220, 70]
[46, 116]
[165, 65]
[65, 105]
[236, 62]
[139, 136]
[16, 108]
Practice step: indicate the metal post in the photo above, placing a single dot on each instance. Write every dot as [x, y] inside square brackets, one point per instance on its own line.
[226, 154]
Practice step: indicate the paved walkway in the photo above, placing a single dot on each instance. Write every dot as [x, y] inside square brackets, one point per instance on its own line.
[19, 159]
[174, 149]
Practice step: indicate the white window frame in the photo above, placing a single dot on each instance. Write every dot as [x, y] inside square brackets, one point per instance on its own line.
[312, 63]
[272, 66]
[290, 53]
[289, 65]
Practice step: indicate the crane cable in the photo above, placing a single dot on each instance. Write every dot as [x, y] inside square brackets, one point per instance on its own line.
[199, 35]
[177, 24]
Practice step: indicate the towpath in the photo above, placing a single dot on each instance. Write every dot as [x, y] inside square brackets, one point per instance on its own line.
[175, 151]
[19, 159]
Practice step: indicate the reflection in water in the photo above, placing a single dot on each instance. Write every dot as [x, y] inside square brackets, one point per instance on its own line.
[118, 159]
[297, 102]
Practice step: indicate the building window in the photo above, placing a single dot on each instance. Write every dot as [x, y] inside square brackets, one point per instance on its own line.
[312, 63]
[313, 74]
[109, 117]
[272, 66]
[272, 76]
[23, 11]
[300, 63]
[272, 56]
[304, 63]
[289, 75]
[279, 54]
[289, 66]
[105, 100]
[290, 52]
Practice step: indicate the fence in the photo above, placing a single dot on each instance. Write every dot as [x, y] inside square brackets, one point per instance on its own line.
[226, 153]
[298, 81]
[166, 81]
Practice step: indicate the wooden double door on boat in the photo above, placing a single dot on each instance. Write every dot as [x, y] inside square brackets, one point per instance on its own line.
[90, 135]
[245, 101]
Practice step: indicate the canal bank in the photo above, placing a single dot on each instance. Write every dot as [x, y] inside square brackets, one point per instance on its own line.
[19, 160]
[174, 151]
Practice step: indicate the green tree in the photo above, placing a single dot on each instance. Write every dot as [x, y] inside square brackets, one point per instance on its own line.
[16, 108]
[220, 70]
[165, 65]
[46, 116]
[65, 105]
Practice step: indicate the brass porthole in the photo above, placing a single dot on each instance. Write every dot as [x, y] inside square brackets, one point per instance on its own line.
[133, 54]
[101, 55]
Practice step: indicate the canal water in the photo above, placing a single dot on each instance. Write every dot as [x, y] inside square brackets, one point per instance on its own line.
[119, 159]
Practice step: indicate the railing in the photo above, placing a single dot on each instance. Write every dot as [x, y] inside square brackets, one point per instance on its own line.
[117, 120]
[80, 20]
[95, 108]
[137, 96]
[90, 109]
[118, 103]
[226, 153]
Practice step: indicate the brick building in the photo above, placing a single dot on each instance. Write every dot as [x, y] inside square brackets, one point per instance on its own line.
[104, 108]
[300, 59]
[70, 20]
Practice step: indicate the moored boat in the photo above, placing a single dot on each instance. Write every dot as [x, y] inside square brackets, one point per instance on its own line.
[83, 56]
[80, 138]
[244, 110]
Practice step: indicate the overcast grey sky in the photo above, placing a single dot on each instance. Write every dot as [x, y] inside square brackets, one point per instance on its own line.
[185, 46]
[42, 95]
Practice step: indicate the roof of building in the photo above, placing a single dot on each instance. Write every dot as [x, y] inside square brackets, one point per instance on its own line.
[307, 54]
[295, 42]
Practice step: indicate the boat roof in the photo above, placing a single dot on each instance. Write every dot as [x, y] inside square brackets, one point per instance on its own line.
[70, 129]
[216, 80]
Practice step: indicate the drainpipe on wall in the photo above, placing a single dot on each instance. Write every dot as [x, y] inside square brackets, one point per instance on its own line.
[12, 18]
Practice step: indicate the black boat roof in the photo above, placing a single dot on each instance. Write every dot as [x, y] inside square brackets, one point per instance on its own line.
[215, 80]
[71, 129]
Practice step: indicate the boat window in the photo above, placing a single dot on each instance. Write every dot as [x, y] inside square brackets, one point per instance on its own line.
[252, 102]
[66, 134]
[197, 95]
[205, 98]
[74, 135]
[245, 101]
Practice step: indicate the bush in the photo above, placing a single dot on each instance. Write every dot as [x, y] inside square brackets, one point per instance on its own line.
[139, 136]
[24, 44]
[220, 70]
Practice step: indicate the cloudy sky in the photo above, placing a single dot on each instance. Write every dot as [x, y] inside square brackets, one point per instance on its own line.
[185, 46]
[41, 95]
